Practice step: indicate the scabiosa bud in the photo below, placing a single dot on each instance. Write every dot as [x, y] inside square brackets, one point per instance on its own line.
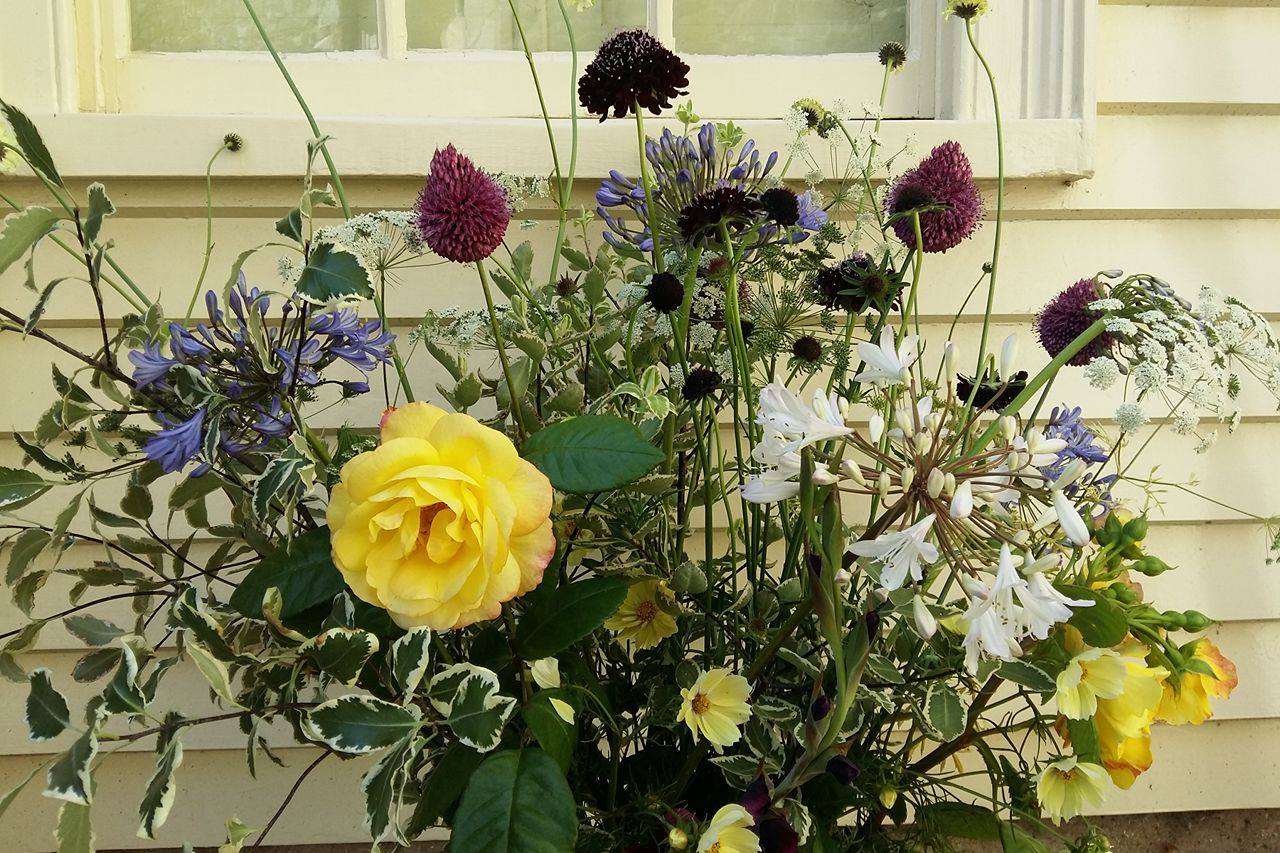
[566, 285]
[781, 205]
[945, 179]
[967, 9]
[632, 68]
[807, 348]
[709, 210]
[820, 707]
[461, 212]
[701, 382]
[893, 55]
[816, 116]
[233, 142]
[1066, 316]
[665, 292]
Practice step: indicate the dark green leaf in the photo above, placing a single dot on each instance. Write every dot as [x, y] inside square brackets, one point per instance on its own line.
[1083, 735]
[303, 571]
[443, 787]
[409, 657]
[24, 549]
[47, 713]
[592, 453]
[516, 802]
[554, 735]
[157, 800]
[960, 820]
[68, 778]
[290, 225]
[95, 664]
[19, 487]
[342, 652]
[42, 304]
[571, 612]
[1028, 675]
[21, 231]
[1103, 625]
[29, 141]
[478, 713]
[362, 723]
[1014, 840]
[91, 630]
[333, 273]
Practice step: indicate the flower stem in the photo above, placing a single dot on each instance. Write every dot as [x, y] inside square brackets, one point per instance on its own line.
[659, 264]
[208, 233]
[995, 249]
[500, 344]
[380, 305]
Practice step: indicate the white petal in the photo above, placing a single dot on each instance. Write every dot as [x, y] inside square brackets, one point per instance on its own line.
[1069, 520]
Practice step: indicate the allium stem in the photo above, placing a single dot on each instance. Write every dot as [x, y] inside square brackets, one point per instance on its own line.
[995, 249]
[500, 344]
[306, 110]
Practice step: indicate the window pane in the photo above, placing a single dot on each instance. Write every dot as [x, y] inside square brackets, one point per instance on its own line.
[294, 25]
[487, 24]
[790, 27]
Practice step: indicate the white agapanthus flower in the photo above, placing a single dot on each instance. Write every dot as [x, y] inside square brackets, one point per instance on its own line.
[994, 619]
[888, 364]
[1043, 606]
[1077, 532]
[798, 424]
[778, 479]
[902, 553]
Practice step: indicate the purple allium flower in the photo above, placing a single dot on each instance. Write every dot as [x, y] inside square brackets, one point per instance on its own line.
[1068, 315]
[149, 366]
[177, 444]
[632, 68]
[462, 213]
[943, 178]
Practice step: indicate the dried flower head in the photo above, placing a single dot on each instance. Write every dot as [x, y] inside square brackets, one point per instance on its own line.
[893, 55]
[1066, 316]
[807, 348]
[632, 68]
[941, 188]
[233, 142]
[816, 117]
[967, 9]
[461, 212]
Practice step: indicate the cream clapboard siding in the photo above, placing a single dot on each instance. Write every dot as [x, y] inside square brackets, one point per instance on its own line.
[1189, 118]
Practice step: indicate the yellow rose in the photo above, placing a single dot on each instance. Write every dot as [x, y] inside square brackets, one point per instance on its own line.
[443, 522]
[1187, 701]
[1124, 722]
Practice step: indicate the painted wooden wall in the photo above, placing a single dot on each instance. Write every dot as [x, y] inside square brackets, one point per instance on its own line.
[1186, 186]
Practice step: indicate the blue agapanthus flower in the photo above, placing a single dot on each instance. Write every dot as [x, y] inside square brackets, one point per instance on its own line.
[150, 366]
[178, 443]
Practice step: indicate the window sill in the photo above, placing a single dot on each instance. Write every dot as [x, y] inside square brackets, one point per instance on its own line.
[177, 146]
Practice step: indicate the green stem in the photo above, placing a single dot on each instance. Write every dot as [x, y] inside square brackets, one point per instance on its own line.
[306, 110]
[380, 306]
[208, 233]
[500, 344]
[566, 188]
[995, 250]
[659, 264]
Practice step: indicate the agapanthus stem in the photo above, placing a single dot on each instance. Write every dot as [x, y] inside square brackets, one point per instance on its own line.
[306, 110]
[995, 249]
[381, 308]
[500, 344]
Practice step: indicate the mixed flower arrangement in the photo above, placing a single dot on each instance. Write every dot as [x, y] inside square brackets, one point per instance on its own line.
[708, 547]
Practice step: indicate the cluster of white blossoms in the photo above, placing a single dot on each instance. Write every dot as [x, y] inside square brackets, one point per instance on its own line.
[381, 240]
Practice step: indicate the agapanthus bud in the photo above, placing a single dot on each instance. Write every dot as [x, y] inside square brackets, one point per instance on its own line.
[1069, 520]
[949, 485]
[853, 471]
[875, 428]
[949, 359]
[1008, 355]
[1008, 427]
[882, 486]
[926, 623]
[962, 501]
[908, 479]
[935, 482]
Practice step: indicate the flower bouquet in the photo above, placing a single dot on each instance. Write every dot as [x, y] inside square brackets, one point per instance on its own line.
[699, 542]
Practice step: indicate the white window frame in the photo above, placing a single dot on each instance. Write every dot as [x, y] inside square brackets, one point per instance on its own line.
[68, 62]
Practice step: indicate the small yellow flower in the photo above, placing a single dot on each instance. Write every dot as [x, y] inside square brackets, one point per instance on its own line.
[715, 706]
[1068, 786]
[1188, 700]
[546, 673]
[1091, 675]
[730, 832]
[442, 522]
[642, 617]
[1124, 722]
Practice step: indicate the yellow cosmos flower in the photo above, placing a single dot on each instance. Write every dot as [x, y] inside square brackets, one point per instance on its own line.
[1068, 786]
[1091, 675]
[1124, 722]
[1188, 700]
[730, 832]
[443, 522]
[715, 706]
[642, 617]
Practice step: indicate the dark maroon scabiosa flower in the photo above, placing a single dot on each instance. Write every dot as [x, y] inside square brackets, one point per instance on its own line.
[844, 770]
[781, 205]
[943, 185]
[1066, 316]
[777, 835]
[992, 392]
[701, 382]
[856, 283]
[700, 218]
[462, 213]
[632, 68]
[566, 285]
[665, 292]
[807, 348]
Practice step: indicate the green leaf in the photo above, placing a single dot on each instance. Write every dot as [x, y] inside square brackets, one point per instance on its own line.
[592, 453]
[286, 478]
[290, 225]
[68, 778]
[443, 787]
[516, 802]
[944, 712]
[359, 724]
[884, 670]
[91, 630]
[100, 207]
[960, 820]
[1083, 735]
[409, 658]
[331, 273]
[567, 614]
[342, 652]
[24, 549]
[19, 487]
[74, 832]
[95, 664]
[303, 571]
[478, 712]
[214, 671]
[576, 259]
[384, 787]
[37, 310]
[554, 735]
[21, 231]
[122, 695]
[161, 790]
[1014, 840]
[12, 794]
[29, 141]
[1028, 675]
[47, 713]
[1103, 625]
